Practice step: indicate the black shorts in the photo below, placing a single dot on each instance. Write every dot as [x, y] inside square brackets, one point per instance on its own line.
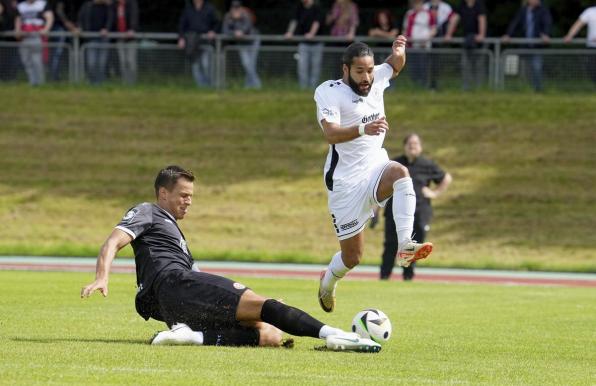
[200, 300]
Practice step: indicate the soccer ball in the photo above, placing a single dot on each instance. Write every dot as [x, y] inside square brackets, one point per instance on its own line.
[372, 324]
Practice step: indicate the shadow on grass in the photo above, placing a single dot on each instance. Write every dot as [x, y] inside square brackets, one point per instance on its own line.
[81, 340]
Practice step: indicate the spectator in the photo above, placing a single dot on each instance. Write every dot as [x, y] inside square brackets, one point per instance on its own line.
[343, 19]
[441, 13]
[34, 19]
[535, 21]
[588, 17]
[8, 55]
[472, 14]
[383, 25]
[96, 16]
[423, 172]
[419, 27]
[306, 23]
[125, 14]
[62, 23]
[238, 23]
[198, 20]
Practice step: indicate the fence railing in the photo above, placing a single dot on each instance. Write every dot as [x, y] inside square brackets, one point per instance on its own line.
[272, 60]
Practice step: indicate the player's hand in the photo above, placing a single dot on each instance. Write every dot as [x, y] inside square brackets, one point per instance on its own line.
[399, 45]
[428, 192]
[376, 127]
[99, 284]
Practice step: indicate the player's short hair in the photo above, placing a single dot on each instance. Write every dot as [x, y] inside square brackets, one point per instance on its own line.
[356, 50]
[168, 176]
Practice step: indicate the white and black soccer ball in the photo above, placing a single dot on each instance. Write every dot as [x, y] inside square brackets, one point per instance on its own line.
[372, 324]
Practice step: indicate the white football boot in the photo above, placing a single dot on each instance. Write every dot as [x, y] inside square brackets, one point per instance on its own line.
[412, 251]
[349, 341]
[326, 298]
[180, 334]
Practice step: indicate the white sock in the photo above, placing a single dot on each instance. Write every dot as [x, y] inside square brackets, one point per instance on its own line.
[404, 206]
[335, 271]
[328, 330]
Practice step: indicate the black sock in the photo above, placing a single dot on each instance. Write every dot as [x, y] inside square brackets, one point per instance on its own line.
[231, 337]
[290, 319]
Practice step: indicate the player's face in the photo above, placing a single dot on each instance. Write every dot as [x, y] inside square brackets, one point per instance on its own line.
[360, 74]
[179, 199]
[413, 148]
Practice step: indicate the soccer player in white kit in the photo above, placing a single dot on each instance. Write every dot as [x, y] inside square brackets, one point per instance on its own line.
[358, 173]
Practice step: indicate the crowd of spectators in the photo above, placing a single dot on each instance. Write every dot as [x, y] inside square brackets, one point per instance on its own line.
[200, 22]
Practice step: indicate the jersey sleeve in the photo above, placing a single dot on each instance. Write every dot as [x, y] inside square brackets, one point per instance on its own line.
[137, 220]
[327, 106]
[383, 74]
[585, 15]
[436, 173]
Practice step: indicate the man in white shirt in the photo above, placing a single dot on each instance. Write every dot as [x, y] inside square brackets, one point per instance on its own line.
[358, 173]
[588, 17]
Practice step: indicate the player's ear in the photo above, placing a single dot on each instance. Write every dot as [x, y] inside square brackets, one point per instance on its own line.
[346, 69]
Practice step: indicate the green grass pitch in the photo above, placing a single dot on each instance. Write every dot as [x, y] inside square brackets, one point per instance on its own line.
[443, 334]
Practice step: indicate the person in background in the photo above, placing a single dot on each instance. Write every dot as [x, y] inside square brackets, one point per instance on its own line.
[8, 55]
[535, 21]
[238, 23]
[343, 19]
[419, 27]
[33, 22]
[96, 16]
[62, 23]
[198, 21]
[306, 22]
[441, 13]
[472, 14]
[588, 17]
[383, 25]
[125, 14]
[424, 172]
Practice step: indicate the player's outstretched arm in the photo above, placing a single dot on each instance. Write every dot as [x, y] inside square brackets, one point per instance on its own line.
[397, 59]
[336, 134]
[115, 242]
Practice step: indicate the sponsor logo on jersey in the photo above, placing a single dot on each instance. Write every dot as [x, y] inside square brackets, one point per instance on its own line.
[349, 225]
[357, 100]
[370, 118]
[183, 246]
[130, 215]
[328, 113]
[239, 286]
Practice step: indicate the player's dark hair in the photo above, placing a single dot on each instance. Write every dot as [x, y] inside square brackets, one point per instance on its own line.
[168, 176]
[356, 50]
[409, 136]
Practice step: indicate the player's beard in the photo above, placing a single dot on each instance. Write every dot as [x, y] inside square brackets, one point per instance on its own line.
[356, 87]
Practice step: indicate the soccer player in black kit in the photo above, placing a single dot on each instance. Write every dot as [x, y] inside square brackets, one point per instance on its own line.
[198, 307]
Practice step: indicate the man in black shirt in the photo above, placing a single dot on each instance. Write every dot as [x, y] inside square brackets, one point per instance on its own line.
[198, 20]
[472, 14]
[423, 171]
[198, 307]
[96, 16]
[306, 23]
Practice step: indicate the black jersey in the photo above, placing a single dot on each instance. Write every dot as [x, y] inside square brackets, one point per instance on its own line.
[423, 171]
[158, 244]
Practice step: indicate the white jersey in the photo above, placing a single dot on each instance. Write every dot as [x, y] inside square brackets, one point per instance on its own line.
[350, 162]
[589, 17]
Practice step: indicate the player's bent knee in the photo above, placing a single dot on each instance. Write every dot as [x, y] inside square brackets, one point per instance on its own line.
[397, 171]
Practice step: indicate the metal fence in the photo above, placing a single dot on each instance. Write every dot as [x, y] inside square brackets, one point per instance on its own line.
[271, 61]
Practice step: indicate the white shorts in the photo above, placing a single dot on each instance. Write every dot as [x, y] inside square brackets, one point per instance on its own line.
[352, 208]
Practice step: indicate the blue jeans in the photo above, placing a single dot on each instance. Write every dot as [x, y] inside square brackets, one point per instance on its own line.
[535, 62]
[31, 56]
[309, 64]
[248, 57]
[57, 54]
[97, 58]
[201, 68]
